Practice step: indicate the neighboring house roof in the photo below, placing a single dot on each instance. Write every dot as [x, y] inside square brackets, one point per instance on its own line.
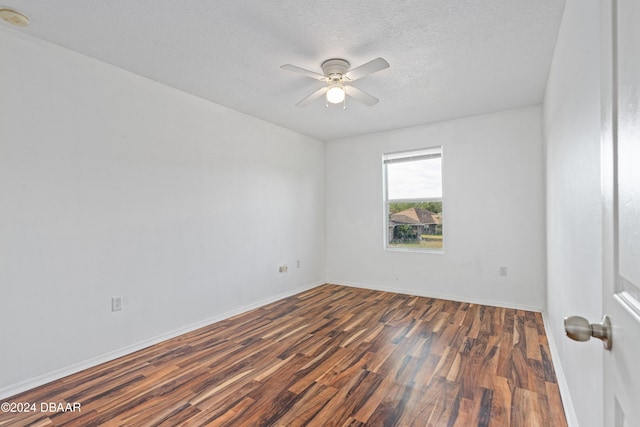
[416, 216]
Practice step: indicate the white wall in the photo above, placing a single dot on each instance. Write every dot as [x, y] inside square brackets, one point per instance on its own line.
[111, 184]
[574, 220]
[493, 211]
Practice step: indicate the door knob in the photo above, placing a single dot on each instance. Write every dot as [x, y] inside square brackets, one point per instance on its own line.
[579, 329]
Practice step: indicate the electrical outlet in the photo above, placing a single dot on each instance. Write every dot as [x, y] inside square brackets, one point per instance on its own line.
[298, 264]
[283, 269]
[503, 271]
[116, 303]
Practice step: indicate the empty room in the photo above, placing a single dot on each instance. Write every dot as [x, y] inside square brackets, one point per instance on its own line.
[299, 213]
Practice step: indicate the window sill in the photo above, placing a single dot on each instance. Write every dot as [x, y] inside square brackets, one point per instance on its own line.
[420, 251]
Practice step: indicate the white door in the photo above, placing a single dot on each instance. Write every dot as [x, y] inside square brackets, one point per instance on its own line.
[621, 184]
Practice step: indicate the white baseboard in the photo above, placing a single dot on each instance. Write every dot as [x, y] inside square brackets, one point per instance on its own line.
[22, 386]
[567, 403]
[449, 297]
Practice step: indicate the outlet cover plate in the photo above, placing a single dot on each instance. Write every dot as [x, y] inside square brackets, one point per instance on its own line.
[116, 303]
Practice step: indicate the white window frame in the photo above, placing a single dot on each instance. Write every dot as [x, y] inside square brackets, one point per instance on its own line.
[408, 156]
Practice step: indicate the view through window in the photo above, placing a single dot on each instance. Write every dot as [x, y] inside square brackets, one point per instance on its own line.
[413, 202]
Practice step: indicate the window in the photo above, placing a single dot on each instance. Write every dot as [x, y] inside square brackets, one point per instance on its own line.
[413, 200]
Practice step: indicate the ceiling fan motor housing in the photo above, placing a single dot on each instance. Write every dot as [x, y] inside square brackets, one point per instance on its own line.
[335, 69]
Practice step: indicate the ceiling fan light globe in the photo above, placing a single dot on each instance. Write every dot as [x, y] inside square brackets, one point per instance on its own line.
[335, 95]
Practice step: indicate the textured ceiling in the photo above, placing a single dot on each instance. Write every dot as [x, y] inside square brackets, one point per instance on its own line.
[449, 58]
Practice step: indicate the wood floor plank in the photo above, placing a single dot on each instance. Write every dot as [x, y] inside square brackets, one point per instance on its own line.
[313, 401]
[331, 356]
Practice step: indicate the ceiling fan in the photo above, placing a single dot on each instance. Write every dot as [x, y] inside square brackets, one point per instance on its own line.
[337, 76]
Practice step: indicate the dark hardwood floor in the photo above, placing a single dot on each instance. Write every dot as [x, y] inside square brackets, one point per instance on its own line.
[331, 356]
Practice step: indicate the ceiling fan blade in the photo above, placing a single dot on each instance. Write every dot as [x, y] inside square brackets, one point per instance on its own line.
[366, 69]
[302, 71]
[315, 95]
[361, 96]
